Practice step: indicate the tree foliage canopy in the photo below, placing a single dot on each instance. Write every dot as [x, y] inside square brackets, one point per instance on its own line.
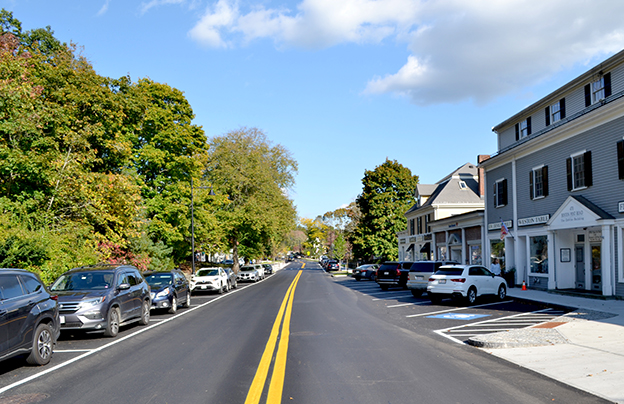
[388, 192]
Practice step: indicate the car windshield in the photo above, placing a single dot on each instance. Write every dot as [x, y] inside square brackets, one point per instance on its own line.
[247, 268]
[83, 281]
[449, 271]
[208, 272]
[159, 280]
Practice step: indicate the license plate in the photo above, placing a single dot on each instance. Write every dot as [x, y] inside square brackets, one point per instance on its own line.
[386, 273]
[419, 278]
[203, 287]
[62, 319]
[442, 281]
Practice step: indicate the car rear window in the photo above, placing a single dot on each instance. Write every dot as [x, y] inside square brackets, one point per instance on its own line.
[449, 271]
[423, 267]
[389, 267]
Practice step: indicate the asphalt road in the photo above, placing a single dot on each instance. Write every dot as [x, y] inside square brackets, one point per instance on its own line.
[329, 341]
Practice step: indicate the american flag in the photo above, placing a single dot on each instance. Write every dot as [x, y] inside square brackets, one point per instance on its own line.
[504, 230]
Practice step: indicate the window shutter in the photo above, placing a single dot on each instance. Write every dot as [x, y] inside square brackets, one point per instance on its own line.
[588, 169]
[587, 95]
[504, 193]
[545, 180]
[562, 108]
[569, 172]
[517, 131]
[495, 194]
[547, 114]
[607, 84]
[620, 159]
[528, 126]
[531, 184]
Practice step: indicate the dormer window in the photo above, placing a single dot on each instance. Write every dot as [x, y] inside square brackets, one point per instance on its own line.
[462, 185]
[523, 129]
[555, 112]
[598, 90]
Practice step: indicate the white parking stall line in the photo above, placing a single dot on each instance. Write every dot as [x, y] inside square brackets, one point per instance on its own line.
[393, 297]
[400, 305]
[456, 309]
[388, 291]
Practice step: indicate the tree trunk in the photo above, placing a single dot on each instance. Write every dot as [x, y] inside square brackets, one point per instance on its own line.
[235, 264]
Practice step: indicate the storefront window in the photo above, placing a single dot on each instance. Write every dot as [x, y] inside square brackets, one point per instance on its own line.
[539, 254]
[475, 255]
[497, 254]
[442, 253]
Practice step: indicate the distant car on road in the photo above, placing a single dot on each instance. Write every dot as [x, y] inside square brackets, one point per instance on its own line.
[366, 271]
[465, 281]
[268, 269]
[232, 282]
[29, 317]
[102, 297]
[252, 272]
[168, 289]
[333, 265]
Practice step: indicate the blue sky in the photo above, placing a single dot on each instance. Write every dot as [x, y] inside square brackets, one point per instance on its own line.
[345, 84]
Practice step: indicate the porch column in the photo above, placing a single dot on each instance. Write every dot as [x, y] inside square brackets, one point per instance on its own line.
[552, 260]
[463, 237]
[606, 255]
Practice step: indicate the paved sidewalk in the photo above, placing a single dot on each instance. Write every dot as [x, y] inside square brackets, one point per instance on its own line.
[584, 348]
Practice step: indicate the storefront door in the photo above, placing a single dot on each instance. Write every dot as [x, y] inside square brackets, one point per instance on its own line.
[596, 273]
[580, 265]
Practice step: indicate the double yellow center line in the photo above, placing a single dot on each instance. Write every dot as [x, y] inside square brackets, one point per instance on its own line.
[279, 367]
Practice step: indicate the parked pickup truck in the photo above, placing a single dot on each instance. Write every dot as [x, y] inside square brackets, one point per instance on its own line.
[420, 272]
[393, 273]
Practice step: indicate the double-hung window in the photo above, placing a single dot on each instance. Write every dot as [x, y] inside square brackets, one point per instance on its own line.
[579, 171]
[523, 129]
[555, 112]
[411, 227]
[500, 193]
[620, 159]
[598, 90]
[538, 182]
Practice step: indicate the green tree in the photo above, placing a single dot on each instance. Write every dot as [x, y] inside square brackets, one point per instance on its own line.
[253, 175]
[388, 192]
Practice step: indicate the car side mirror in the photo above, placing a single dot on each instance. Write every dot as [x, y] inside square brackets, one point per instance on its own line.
[123, 286]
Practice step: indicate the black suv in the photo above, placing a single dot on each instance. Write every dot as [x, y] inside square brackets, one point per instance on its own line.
[393, 273]
[29, 317]
[102, 297]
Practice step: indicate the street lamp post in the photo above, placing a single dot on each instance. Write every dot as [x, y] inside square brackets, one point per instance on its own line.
[211, 193]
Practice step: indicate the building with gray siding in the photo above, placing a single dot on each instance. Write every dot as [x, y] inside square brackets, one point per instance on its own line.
[556, 187]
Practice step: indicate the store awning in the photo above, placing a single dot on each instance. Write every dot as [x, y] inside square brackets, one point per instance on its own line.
[426, 248]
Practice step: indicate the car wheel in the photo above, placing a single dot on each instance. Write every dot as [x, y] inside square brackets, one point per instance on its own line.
[236, 284]
[174, 305]
[383, 287]
[471, 296]
[435, 299]
[112, 325]
[42, 346]
[417, 293]
[502, 292]
[373, 277]
[145, 313]
[187, 302]
[357, 278]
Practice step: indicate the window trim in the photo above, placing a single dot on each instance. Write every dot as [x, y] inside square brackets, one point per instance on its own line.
[587, 170]
[502, 195]
[533, 183]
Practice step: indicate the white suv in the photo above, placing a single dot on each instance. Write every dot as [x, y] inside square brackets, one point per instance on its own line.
[251, 272]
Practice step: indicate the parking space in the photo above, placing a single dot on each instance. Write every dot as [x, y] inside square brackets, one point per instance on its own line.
[453, 320]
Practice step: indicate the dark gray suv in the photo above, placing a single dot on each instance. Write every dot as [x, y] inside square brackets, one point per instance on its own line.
[102, 298]
[29, 317]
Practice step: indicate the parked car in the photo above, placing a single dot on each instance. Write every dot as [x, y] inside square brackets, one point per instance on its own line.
[232, 282]
[102, 297]
[420, 272]
[332, 265]
[268, 269]
[249, 273]
[29, 317]
[393, 273]
[465, 281]
[168, 290]
[366, 271]
[209, 280]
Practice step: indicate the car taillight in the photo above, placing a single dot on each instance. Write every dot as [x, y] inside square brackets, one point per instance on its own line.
[459, 280]
[431, 279]
[55, 297]
[398, 273]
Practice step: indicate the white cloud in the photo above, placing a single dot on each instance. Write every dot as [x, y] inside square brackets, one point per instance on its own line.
[460, 50]
[146, 6]
[104, 8]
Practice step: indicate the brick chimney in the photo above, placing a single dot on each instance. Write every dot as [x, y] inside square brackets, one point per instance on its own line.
[480, 159]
